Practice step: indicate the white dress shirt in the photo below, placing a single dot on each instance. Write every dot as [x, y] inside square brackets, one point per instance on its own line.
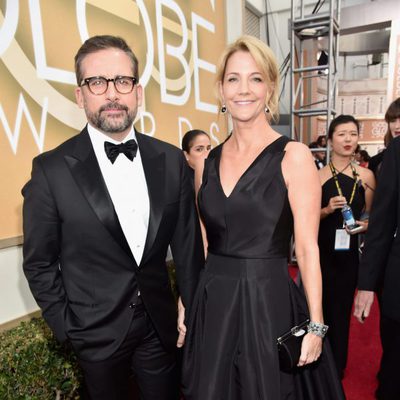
[126, 184]
[319, 164]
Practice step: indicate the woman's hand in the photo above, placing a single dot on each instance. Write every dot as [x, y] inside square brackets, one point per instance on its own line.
[181, 325]
[311, 349]
[364, 224]
[335, 203]
[362, 227]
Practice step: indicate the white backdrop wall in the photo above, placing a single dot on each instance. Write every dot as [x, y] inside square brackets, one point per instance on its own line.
[15, 297]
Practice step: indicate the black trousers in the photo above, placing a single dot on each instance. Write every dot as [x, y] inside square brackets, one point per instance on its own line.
[141, 356]
[389, 382]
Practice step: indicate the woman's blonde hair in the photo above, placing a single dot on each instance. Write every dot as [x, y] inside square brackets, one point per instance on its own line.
[266, 62]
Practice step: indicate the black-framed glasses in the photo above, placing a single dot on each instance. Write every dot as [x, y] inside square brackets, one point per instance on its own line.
[99, 84]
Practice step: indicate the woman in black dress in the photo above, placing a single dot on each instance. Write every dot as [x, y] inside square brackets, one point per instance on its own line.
[255, 188]
[343, 182]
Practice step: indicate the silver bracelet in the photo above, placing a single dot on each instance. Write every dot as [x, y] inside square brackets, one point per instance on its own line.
[317, 329]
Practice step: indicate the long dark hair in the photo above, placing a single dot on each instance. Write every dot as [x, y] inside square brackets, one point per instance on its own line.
[392, 113]
[189, 137]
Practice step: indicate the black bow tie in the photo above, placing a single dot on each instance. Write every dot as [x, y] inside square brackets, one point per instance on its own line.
[129, 148]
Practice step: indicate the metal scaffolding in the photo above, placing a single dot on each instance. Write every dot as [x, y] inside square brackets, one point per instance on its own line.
[307, 32]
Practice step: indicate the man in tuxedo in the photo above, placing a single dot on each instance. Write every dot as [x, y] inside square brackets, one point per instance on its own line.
[319, 156]
[99, 214]
[381, 261]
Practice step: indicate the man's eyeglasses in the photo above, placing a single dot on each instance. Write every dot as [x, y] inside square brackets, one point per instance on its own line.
[98, 84]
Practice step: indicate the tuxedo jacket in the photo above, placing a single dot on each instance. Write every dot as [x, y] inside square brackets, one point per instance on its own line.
[381, 256]
[318, 164]
[77, 260]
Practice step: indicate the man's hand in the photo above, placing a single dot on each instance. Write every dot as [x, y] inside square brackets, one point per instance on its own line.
[181, 325]
[362, 304]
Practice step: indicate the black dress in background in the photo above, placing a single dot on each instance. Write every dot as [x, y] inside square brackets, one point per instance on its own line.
[375, 163]
[339, 268]
[243, 302]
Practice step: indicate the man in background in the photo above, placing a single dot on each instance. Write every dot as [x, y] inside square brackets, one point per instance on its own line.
[319, 156]
[381, 261]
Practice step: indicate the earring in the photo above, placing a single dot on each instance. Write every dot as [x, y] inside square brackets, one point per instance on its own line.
[266, 109]
[223, 109]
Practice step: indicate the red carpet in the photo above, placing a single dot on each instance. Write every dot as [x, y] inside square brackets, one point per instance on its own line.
[364, 357]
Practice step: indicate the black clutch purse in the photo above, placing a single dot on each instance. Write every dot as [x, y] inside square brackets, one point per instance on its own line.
[289, 346]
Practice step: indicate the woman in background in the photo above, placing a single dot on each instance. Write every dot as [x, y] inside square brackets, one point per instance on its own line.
[343, 182]
[196, 145]
[321, 141]
[362, 157]
[392, 117]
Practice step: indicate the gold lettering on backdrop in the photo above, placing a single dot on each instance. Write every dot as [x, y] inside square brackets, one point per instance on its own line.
[38, 41]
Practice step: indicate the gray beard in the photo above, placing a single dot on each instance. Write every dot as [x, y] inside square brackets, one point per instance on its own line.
[112, 125]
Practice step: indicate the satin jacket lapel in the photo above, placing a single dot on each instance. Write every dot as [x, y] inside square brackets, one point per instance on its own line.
[87, 174]
[154, 170]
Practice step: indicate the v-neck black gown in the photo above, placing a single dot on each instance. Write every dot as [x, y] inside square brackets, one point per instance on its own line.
[243, 302]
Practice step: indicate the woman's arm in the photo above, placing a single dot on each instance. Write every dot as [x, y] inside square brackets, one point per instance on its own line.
[198, 173]
[304, 190]
[368, 181]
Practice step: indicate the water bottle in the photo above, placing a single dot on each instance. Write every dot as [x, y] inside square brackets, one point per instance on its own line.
[348, 217]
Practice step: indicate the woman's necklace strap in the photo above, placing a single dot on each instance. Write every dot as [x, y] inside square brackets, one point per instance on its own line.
[355, 177]
[342, 170]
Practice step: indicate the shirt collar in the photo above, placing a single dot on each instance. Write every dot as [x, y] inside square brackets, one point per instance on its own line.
[99, 137]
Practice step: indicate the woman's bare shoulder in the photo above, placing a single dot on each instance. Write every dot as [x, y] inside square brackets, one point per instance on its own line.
[366, 175]
[297, 148]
